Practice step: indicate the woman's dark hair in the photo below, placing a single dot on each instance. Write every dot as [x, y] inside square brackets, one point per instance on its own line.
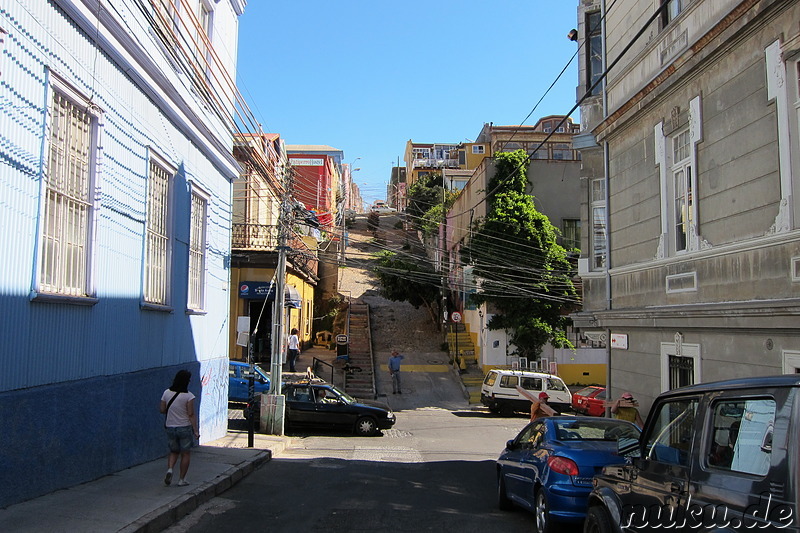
[181, 381]
[294, 331]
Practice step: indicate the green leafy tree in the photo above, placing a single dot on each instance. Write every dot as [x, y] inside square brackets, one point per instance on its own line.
[408, 279]
[426, 193]
[428, 200]
[524, 274]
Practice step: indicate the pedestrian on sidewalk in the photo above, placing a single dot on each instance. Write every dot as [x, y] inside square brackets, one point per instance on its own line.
[293, 351]
[626, 408]
[394, 371]
[177, 403]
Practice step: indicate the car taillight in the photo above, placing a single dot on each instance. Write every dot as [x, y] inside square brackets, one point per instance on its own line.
[562, 465]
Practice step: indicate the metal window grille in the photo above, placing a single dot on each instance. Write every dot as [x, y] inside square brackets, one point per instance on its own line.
[156, 274]
[197, 253]
[681, 371]
[68, 209]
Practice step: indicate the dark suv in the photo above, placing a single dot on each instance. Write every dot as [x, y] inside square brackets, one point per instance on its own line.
[712, 457]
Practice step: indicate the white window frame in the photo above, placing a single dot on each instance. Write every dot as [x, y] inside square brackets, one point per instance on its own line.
[671, 166]
[597, 219]
[683, 185]
[157, 264]
[53, 278]
[198, 250]
[205, 30]
[791, 361]
[679, 348]
[478, 149]
[675, 8]
[783, 87]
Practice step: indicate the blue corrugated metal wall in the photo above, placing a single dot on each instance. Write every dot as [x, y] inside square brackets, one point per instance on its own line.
[79, 385]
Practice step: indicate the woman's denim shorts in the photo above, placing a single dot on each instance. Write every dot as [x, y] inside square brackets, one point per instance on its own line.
[180, 439]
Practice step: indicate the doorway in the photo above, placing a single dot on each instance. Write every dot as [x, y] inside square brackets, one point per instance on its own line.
[260, 312]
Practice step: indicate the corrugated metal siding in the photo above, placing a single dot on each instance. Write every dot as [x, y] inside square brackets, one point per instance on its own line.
[62, 342]
[113, 350]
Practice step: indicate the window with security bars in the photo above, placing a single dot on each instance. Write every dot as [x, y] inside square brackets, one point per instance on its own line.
[681, 371]
[157, 246]
[204, 35]
[197, 252]
[68, 210]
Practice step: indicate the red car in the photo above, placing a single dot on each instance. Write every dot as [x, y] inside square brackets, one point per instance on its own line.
[590, 401]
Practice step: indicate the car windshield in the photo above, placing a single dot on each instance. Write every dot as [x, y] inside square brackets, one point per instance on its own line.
[600, 429]
[334, 392]
[586, 392]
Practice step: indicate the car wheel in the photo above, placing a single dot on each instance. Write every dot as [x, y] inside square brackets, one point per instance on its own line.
[506, 410]
[503, 503]
[366, 426]
[541, 511]
[597, 521]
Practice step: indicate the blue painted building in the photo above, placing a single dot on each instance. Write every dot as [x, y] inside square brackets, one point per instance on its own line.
[115, 212]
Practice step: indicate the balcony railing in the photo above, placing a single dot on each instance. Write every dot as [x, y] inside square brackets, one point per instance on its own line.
[254, 237]
[261, 237]
[435, 163]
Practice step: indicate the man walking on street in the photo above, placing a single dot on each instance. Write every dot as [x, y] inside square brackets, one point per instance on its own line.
[394, 371]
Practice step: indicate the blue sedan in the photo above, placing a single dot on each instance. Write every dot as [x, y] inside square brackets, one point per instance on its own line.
[548, 467]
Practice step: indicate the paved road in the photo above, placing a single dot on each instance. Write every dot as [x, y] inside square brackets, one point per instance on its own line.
[434, 471]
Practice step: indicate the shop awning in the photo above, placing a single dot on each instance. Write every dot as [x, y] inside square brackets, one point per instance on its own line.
[264, 290]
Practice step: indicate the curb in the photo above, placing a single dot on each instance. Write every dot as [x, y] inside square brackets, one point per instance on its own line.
[171, 513]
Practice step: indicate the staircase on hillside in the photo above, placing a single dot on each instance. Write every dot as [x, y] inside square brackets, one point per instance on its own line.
[360, 384]
[460, 344]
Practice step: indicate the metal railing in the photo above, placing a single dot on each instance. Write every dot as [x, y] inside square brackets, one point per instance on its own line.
[263, 237]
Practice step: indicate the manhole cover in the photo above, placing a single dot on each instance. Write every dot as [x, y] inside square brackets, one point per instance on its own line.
[435, 362]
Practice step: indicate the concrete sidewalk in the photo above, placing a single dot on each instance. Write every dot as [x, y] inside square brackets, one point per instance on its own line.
[136, 499]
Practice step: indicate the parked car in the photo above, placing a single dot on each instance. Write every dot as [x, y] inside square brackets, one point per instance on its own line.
[590, 401]
[720, 456]
[238, 381]
[548, 467]
[499, 391]
[382, 208]
[322, 405]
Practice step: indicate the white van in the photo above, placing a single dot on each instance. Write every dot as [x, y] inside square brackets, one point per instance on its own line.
[499, 391]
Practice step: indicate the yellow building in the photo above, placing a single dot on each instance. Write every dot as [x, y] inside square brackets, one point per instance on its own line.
[258, 196]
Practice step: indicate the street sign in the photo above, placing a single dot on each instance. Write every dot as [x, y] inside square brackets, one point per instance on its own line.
[341, 339]
[456, 317]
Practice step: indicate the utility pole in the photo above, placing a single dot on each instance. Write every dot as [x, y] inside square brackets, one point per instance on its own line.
[276, 401]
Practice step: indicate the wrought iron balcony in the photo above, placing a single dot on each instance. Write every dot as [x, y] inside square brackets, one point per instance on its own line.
[254, 237]
[264, 238]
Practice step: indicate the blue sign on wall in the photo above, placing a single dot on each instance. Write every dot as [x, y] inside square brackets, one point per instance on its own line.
[256, 289]
[263, 290]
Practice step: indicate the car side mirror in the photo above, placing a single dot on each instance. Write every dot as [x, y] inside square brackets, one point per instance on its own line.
[510, 445]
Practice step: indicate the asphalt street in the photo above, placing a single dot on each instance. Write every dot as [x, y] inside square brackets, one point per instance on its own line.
[434, 471]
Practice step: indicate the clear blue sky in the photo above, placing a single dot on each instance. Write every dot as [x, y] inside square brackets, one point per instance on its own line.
[365, 76]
